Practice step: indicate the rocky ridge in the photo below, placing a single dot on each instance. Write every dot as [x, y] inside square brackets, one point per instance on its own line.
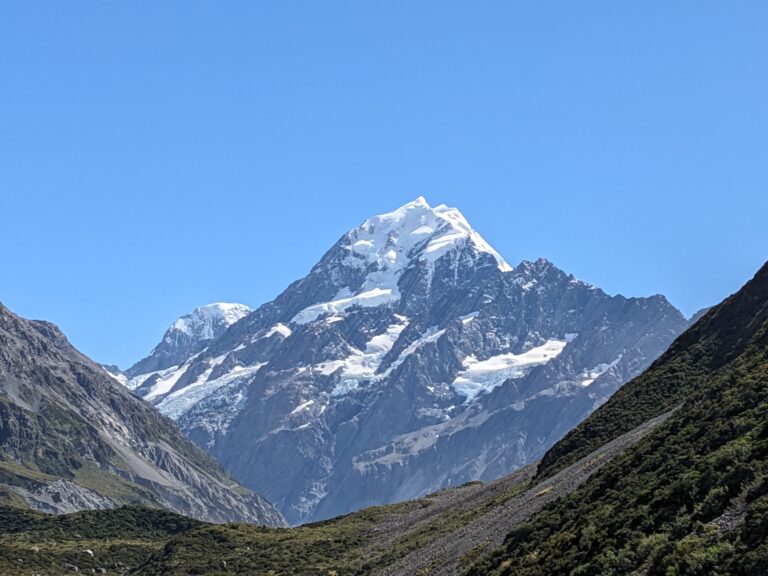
[73, 438]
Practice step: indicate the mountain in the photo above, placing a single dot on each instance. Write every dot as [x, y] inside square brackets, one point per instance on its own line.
[72, 438]
[412, 357]
[669, 476]
[189, 335]
[692, 497]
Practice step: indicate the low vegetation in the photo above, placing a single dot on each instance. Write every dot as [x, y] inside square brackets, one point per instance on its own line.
[134, 540]
[692, 498]
[114, 541]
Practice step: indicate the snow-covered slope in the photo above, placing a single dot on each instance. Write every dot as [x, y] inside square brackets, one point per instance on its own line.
[207, 322]
[411, 357]
[157, 373]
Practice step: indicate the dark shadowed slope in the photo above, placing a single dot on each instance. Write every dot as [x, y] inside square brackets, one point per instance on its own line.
[691, 498]
[719, 337]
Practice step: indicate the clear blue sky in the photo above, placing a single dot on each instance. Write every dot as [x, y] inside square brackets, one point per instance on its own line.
[155, 156]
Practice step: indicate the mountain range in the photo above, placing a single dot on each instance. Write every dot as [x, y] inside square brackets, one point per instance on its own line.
[412, 357]
[669, 476]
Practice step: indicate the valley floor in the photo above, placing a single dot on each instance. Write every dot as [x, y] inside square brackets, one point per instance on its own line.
[442, 534]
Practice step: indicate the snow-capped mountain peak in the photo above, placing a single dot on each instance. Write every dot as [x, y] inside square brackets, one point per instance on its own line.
[204, 322]
[411, 357]
[382, 248]
[189, 335]
[415, 230]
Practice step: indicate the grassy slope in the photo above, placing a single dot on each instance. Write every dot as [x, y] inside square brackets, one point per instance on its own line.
[154, 542]
[32, 542]
[692, 498]
[714, 341]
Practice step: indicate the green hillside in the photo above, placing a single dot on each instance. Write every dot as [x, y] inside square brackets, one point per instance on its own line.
[691, 498]
[150, 542]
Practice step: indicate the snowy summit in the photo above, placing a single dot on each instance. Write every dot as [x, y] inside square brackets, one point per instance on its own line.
[416, 230]
[205, 322]
[186, 336]
[386, 245]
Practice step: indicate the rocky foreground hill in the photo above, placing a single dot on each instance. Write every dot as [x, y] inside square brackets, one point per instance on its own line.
[71, 438]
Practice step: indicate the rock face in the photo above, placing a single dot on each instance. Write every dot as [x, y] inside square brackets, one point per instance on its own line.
[411, 357]
[72, 438]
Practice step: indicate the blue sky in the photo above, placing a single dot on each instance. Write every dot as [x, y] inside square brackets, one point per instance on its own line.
[155, 156]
